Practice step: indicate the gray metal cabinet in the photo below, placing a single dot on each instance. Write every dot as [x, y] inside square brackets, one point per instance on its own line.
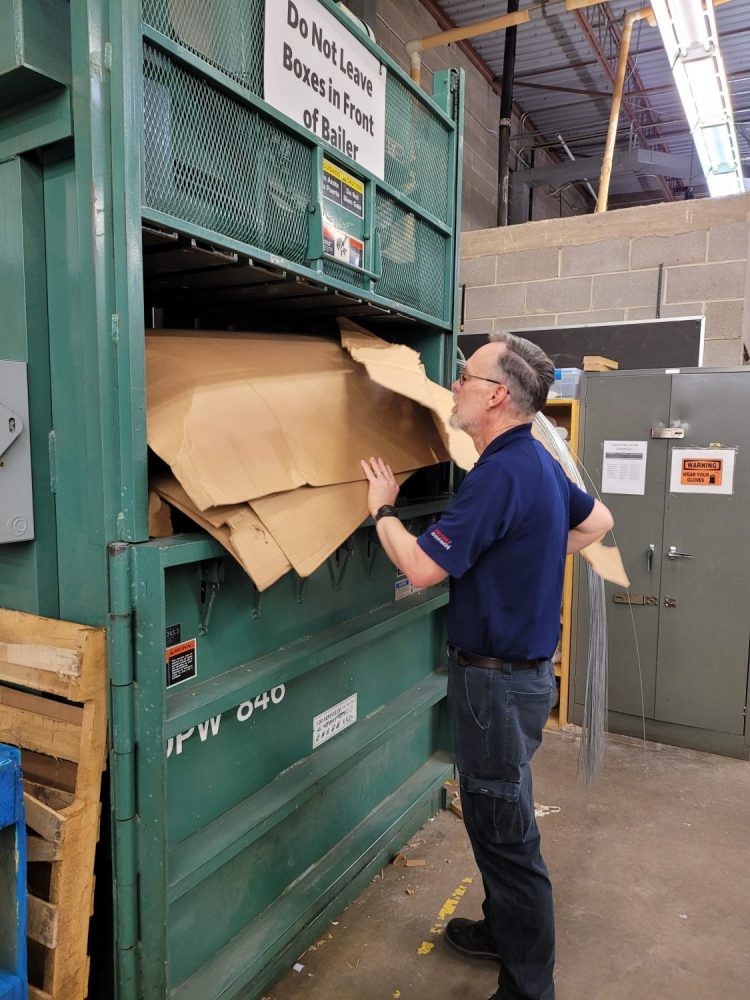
[679, 638]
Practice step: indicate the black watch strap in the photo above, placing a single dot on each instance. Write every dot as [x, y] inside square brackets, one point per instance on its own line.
[387, 510]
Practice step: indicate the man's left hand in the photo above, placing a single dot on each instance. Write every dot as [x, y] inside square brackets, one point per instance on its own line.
[383, 486]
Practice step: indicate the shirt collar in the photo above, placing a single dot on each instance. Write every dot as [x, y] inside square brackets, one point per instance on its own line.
[507, 437]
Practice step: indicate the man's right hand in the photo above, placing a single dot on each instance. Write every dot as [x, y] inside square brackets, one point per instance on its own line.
[383, 486]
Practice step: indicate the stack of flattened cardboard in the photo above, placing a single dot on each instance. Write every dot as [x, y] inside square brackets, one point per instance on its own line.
[247, 424]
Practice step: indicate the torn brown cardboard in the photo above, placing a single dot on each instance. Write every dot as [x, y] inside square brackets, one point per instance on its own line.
[296, 530]
[312, 522]
[237, 528]
[238, 416]
[399, 368]
[605, 560]
[159, 517]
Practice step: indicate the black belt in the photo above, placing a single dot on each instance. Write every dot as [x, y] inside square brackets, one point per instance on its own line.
[466, 659]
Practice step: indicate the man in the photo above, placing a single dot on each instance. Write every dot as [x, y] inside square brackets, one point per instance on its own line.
[503, 543]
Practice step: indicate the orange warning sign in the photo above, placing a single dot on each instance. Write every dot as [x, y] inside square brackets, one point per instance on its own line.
[701, 471]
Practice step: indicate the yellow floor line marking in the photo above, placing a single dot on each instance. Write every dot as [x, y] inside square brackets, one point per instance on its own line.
[446, 911]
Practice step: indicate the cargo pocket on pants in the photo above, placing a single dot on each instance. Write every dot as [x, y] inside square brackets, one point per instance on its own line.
[495, 810]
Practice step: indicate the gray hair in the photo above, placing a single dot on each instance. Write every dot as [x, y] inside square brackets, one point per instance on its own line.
[527, 370]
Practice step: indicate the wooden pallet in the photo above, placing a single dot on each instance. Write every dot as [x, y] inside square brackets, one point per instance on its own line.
[56, 712]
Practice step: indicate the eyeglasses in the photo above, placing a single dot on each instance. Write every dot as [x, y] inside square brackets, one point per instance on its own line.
[464, 376]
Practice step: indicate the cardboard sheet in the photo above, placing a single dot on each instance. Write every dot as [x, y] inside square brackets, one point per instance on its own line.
[312, 522]
[238, 416]
[159, 517]
[399, 368]
[237, 528]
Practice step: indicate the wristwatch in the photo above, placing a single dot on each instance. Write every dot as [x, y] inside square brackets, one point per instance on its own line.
[387, 510]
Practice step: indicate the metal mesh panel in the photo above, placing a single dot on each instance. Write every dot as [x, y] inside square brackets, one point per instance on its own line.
[228, 34]
[417, 150]
[413, 258]
[334, 270]
[219, 164]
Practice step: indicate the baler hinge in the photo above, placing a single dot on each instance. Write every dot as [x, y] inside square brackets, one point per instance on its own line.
[212, 577]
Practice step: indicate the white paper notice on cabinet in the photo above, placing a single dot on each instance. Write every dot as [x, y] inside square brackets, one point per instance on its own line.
[624, 467]
[703, 470]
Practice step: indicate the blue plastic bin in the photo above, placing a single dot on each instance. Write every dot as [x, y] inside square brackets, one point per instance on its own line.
[13, 980]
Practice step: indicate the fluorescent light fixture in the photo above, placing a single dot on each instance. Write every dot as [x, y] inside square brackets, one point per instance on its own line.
[688, 30]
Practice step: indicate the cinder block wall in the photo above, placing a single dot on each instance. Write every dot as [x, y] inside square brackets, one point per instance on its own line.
[397, 22]
[605, 268]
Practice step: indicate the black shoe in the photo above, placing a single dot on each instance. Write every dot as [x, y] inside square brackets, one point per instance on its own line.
[470, 937]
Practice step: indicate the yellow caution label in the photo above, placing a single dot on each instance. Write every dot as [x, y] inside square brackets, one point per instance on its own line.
[341, 175]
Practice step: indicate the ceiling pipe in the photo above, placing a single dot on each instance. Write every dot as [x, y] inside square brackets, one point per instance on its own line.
[506, 121]
[614, 112]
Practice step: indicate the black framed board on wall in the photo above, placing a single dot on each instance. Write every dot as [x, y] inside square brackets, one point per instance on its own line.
[635, 344]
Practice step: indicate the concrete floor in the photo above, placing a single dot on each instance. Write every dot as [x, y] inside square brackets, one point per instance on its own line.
[651, 871]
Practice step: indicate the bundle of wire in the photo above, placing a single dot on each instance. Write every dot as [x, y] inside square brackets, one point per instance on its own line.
[591, 753]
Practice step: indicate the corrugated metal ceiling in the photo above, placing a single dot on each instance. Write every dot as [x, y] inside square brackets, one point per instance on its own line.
[563, 88]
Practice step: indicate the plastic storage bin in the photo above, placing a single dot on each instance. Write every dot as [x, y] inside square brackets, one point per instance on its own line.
[567, 384]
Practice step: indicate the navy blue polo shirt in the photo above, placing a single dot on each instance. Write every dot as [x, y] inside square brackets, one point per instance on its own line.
[503, 542]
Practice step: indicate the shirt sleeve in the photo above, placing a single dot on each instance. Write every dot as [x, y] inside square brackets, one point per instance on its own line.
[580, 505]
[482, 513]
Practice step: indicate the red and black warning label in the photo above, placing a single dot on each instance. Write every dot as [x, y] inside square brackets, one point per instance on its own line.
[182, 662]
[701, 471]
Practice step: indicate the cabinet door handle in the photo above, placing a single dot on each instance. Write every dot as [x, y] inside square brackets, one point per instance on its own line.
[650, 557]
[674, 554]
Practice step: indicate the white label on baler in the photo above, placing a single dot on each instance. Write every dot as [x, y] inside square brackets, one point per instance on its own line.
[334, 720]
[321, 76]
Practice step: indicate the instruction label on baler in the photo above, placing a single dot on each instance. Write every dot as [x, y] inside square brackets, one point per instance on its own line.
[182, 662]
[342, 245]
[340, 188]
[334, 720]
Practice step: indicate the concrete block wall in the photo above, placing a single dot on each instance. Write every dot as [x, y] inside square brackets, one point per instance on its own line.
[605, 268]
[397, 22]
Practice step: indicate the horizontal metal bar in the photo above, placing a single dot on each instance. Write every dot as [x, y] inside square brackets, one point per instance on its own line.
[255, 253]
[177, 550]
[194, 859]
[247, 955]
[374, 276]
[186, 708]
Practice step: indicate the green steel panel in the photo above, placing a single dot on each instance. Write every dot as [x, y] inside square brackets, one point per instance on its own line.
[226, 790]
[34, 49]
[171, 126]
[83, 519]
[31, 127]
[28, 570]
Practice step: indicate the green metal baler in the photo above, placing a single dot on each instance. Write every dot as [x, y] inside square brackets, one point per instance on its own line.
[145, 181]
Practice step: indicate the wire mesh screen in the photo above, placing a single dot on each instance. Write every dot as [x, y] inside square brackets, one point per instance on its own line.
[217, 163]
[414, 255]
[417, 150]
[228, 34]
[342, 273]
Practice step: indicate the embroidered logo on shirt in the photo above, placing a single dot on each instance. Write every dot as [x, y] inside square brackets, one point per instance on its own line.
[441, 539]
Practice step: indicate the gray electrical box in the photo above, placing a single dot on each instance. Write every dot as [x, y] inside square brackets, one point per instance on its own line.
[16, 503]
